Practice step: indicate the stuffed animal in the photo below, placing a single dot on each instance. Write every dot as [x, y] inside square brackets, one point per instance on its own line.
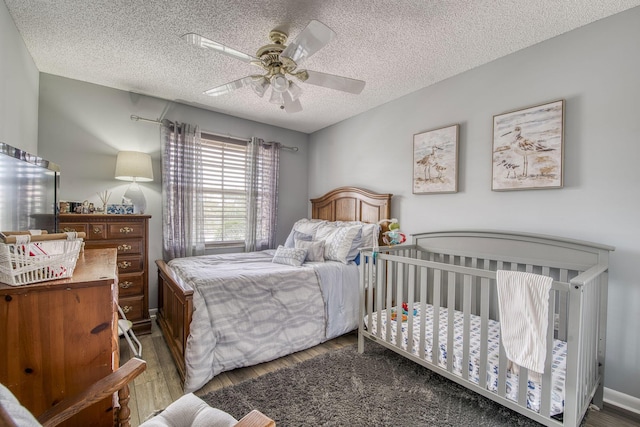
[393, 236]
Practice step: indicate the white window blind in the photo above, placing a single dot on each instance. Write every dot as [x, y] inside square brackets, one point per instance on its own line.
[225, 193]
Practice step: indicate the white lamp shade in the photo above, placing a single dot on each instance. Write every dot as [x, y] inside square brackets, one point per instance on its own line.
[134, 166]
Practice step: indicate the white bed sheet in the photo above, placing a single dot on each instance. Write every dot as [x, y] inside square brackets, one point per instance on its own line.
[534, 388]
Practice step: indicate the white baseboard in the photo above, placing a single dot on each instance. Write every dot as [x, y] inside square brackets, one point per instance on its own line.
[621, 400]
[153, 312]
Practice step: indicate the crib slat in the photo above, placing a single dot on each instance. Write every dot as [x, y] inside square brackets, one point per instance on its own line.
[437, 287]
[379, 291]
[451, 303]
[423, 310]
[475, 308]
[410, 299]
[547, 385]
[389, 297]
[399, 269]
[466, 304]
[484, 325]
[370, 289]
[523, 388]
[562, 309]
[502, 372]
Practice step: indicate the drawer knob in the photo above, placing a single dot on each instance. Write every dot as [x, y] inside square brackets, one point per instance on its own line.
[97, 230]
[68, 230]
[124, 264]
[127, 308]
[124, 248]
[126, 285]
[126, 230]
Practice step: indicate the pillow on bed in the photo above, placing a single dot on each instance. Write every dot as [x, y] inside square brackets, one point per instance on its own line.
[290, 256]
[296, 235]
[369, 232]
[304, 225]
[365, 239]
[337, 240]
[315, 250]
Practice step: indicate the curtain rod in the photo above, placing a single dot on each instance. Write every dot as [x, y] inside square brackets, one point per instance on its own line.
[142, 119]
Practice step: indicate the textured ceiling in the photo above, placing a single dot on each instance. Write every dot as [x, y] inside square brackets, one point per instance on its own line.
[397, 47]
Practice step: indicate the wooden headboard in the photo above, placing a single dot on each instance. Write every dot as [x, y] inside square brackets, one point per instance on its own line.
[351, 204]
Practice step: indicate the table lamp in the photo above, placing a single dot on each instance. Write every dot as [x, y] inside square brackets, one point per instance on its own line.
[134, 166]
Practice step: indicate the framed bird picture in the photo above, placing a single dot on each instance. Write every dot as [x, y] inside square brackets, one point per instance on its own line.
[528, 148]
[435, 161]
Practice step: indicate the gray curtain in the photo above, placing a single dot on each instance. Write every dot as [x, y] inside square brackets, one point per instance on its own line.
[263, 167]
[182, 191]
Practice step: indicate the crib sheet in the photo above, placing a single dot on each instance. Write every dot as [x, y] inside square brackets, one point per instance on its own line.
[534, 388]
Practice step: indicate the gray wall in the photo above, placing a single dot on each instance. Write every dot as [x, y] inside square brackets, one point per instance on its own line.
[83, 126]
[18, 88]
[595, 69]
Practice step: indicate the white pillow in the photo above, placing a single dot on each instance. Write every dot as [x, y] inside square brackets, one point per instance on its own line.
[315, 250]
[190, 410]
[338, 240]
[369, 232]
[296, 235]
[290, 256]
[304, 225]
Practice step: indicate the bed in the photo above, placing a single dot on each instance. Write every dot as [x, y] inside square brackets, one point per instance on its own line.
[447, 283]
[247, 297]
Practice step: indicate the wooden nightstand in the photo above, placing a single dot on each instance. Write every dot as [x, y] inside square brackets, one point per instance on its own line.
[130, 235]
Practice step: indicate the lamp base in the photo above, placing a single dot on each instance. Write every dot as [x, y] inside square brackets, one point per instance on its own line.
[136, 197]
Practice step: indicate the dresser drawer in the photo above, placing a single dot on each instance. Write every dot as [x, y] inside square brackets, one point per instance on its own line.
[130, 264]
[132, 307]
[131, 284]
[93, 231]
[125, 230]
[126, 247]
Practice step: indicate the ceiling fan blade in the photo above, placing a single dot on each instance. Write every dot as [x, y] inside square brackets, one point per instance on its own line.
[229, 87]
[200, 41]
[332, 81]
[314, 37]
[291, 106]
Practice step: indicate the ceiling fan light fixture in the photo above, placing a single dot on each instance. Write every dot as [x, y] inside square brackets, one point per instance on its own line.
[276, 97]
[260, 86]
[279, 83]
[294, 91]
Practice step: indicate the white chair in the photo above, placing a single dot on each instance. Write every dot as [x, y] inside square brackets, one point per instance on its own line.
[124, 329]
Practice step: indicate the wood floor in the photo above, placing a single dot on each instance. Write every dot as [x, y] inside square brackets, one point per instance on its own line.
[159, 385]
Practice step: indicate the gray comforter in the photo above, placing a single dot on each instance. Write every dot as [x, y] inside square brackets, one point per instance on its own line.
[248, 310]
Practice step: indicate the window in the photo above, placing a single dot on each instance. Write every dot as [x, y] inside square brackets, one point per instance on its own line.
[224, 166]
[217, 191]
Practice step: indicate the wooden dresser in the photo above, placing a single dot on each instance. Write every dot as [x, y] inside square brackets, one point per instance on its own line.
[59, 337]
[129, 234]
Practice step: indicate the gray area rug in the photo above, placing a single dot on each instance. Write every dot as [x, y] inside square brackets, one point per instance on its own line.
[377, 388]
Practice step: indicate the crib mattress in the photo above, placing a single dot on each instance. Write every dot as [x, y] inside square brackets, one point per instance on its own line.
[534, 387]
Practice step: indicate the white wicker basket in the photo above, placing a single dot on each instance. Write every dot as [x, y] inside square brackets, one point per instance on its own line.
[25, 263]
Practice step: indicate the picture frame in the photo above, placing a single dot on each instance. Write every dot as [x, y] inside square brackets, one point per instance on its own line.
[528, 148]
[435, 160]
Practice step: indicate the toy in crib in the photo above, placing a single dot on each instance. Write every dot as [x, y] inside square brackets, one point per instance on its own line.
[405, 312]
[393, 236]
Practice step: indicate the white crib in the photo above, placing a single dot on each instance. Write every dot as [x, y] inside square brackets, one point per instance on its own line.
[450, 277]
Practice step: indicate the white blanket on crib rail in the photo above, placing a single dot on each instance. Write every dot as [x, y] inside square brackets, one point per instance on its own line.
[523, 303]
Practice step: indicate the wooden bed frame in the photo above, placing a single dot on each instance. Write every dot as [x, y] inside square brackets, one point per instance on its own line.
[175, 297]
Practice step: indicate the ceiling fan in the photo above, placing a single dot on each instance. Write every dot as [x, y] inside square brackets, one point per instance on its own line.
[281, 61]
